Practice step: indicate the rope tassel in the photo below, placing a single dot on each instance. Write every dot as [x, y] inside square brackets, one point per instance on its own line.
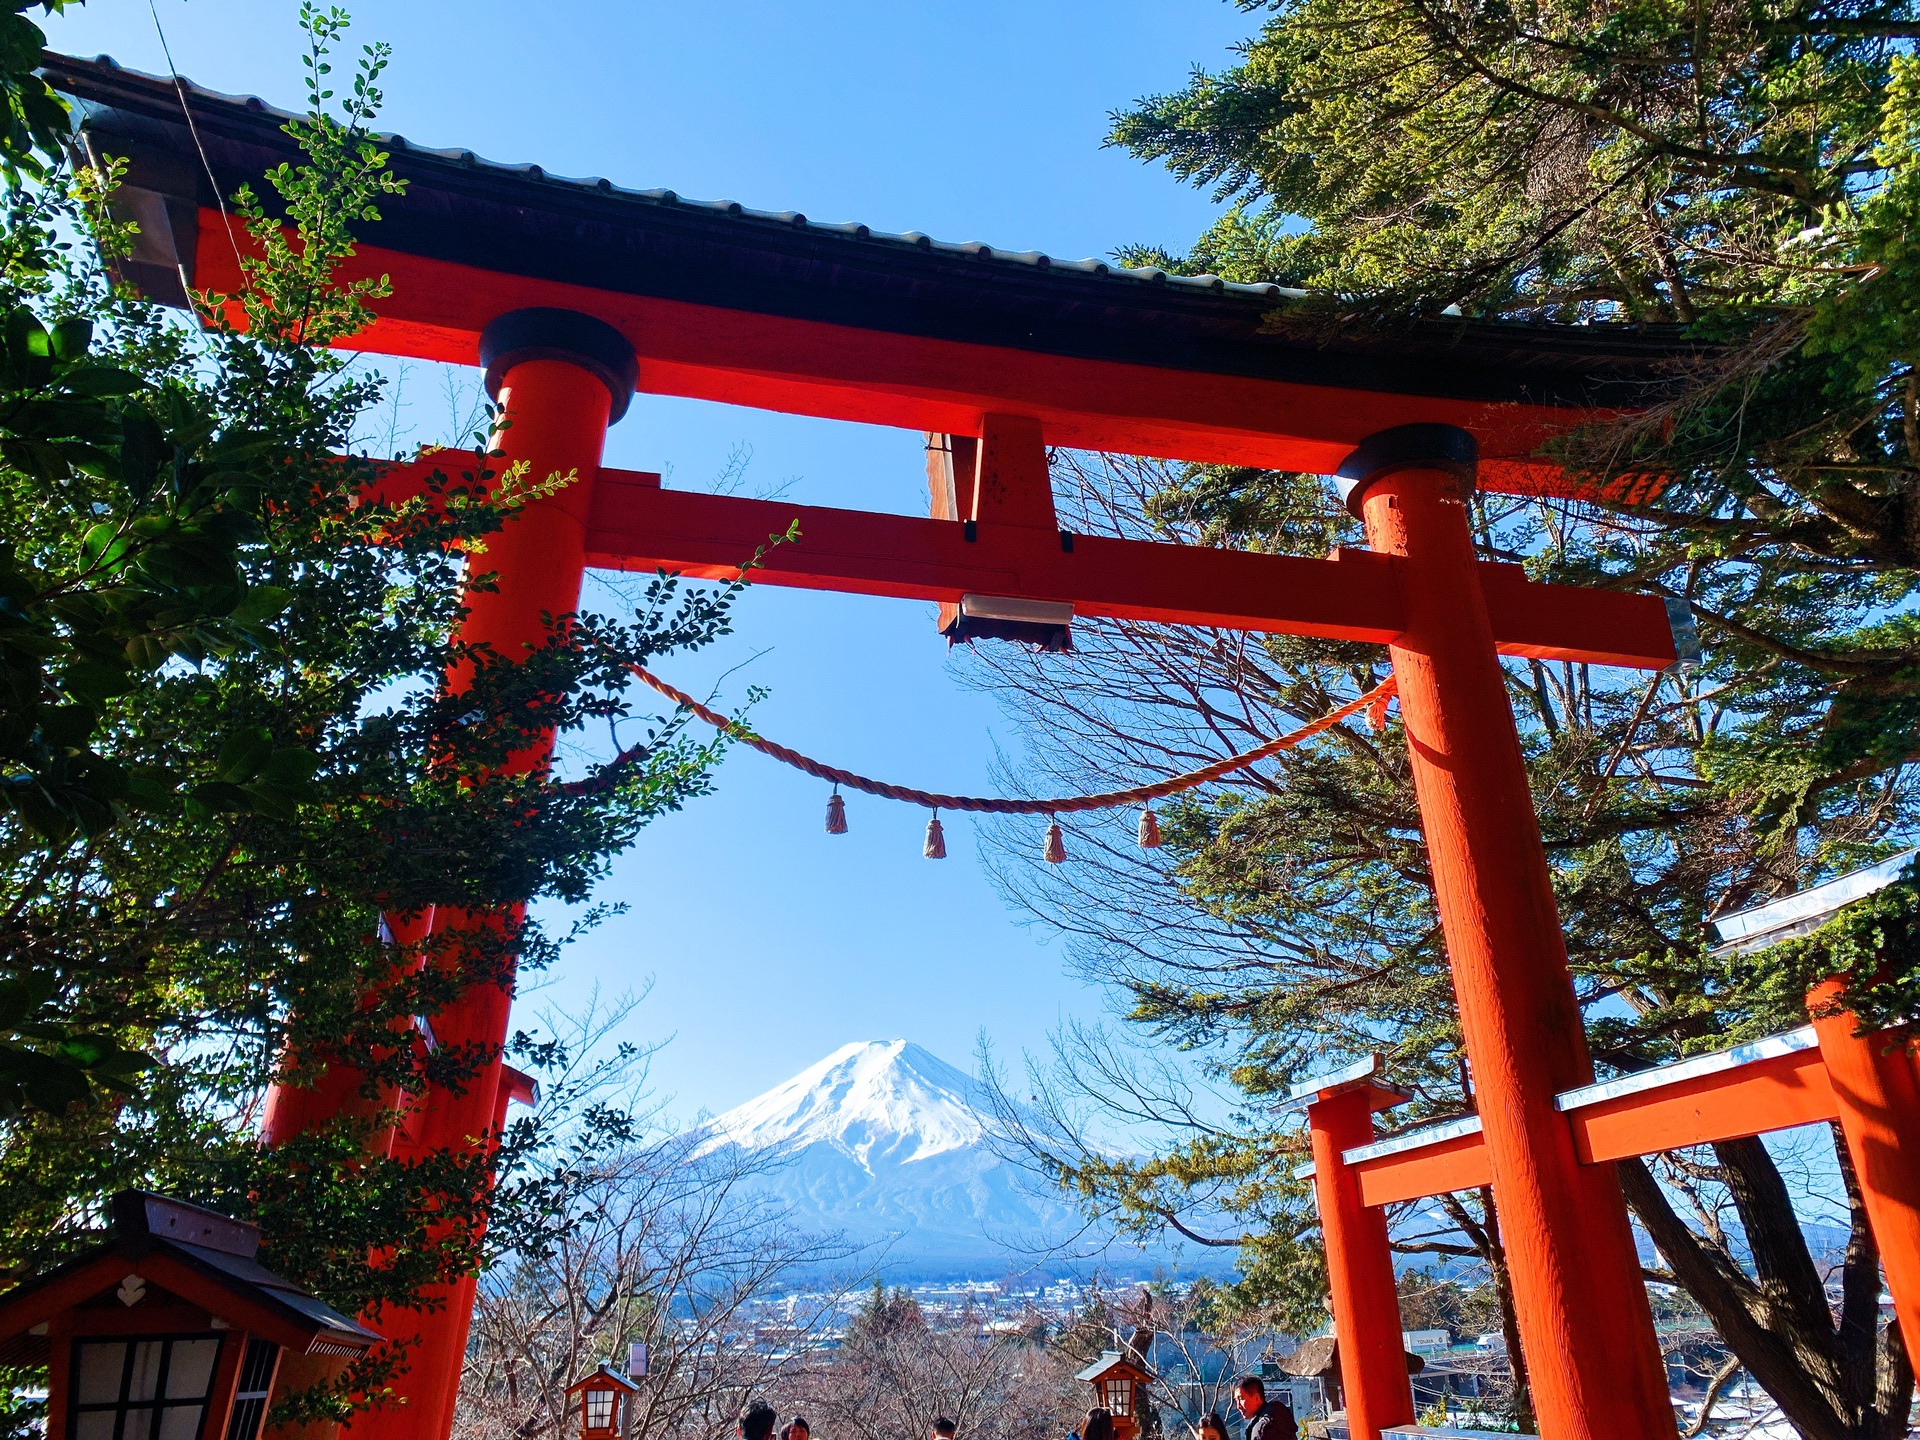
[936, 846]
[1149, 829]
[1056, 848]
[836, 814]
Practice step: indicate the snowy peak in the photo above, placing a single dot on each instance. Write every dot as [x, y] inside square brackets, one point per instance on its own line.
[877, 1102]
[882, 1144]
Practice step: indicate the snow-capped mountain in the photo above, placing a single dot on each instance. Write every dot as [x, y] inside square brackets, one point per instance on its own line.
[885, 1143]
[876, 1102]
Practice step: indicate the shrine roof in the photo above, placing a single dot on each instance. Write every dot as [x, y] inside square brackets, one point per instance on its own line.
[209, 1260]
[1111, 1360]
[522, 220]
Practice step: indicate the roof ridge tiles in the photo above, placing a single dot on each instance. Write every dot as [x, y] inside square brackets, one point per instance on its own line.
[1035, 259]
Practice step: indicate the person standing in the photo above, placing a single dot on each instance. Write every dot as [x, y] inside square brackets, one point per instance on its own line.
[1212, 1427]
[1266, 1419]
[757, 1421]
[1099, 1425]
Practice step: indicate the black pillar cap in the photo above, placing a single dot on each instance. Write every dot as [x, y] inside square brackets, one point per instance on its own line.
[1405, 447]
[543, 334]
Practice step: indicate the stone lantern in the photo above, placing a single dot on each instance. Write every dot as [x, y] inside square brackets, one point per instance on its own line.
[603, 1395]
[169, 1328]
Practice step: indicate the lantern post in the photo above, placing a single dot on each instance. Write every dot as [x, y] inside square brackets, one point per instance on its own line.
[602, 1396]
[1120, 1387]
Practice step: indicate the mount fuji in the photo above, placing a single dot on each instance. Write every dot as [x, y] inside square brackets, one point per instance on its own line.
[886, 1144]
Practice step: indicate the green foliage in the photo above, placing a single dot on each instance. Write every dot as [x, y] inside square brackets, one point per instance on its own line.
[232, 768]
[1747, 174]
[33, 120]
[1873, 945]
[1744, 177]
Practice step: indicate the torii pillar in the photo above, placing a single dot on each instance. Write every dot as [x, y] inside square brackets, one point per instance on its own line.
[1585, 1325]
[1877, 1089]
[1360, 1280]
[561, 379]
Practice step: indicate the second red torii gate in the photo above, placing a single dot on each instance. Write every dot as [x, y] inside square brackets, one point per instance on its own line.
[572, 296]
[1869, 1083]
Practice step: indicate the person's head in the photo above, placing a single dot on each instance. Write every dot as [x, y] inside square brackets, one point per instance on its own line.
[797, 1429]
[943, 1429]
[1212, 1427]
[756, 1421]
[1251, 1395]
[1099, 1425]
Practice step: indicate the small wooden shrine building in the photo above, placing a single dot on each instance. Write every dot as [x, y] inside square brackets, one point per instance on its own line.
[170, 1328]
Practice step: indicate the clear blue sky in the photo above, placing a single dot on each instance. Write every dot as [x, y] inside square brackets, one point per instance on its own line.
[768, 943]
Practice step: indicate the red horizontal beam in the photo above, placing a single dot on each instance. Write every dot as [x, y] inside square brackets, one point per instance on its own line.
[634, 524]
[1456, 1164]
[1772, 1094]
[437, 309]
[635, 527]
[1777, 1093]
[1352, 596]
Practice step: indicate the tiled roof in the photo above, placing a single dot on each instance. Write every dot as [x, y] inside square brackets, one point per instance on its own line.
[1152, 275]
[522, 220]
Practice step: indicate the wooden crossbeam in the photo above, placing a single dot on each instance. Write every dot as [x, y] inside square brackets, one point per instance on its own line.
[636, 525]
[1776, 1092]
[877, 376]
[1458, 1162]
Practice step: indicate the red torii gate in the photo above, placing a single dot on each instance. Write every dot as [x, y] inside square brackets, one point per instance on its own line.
[1825, 1071]
[572, 295]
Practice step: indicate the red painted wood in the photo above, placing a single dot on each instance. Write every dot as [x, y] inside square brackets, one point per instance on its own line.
[1533, 477]
[1360, 1285]
[162, 1269]
[635, 525]
[905, 557]
[59, 1379]
[1878, 1090]
[337, 1091]
[558, 422]
[1575, 622]
[1456, 1164]
[1774, 1094]
[146, 1318]
[438, 308]
[513, 1085]
[1013, 484]
[226, 1384]
[1584, 1319]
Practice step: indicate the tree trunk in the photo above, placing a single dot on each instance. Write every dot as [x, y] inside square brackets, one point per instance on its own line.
[1782, 1265]
[1509, 1317]
[1779, 1354]
[1882, 1381]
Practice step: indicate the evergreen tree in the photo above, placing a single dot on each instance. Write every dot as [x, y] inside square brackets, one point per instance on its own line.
[228, 756]
[1744, 178]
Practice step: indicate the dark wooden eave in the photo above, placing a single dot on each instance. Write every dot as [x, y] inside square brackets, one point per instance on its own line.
[520, 220]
